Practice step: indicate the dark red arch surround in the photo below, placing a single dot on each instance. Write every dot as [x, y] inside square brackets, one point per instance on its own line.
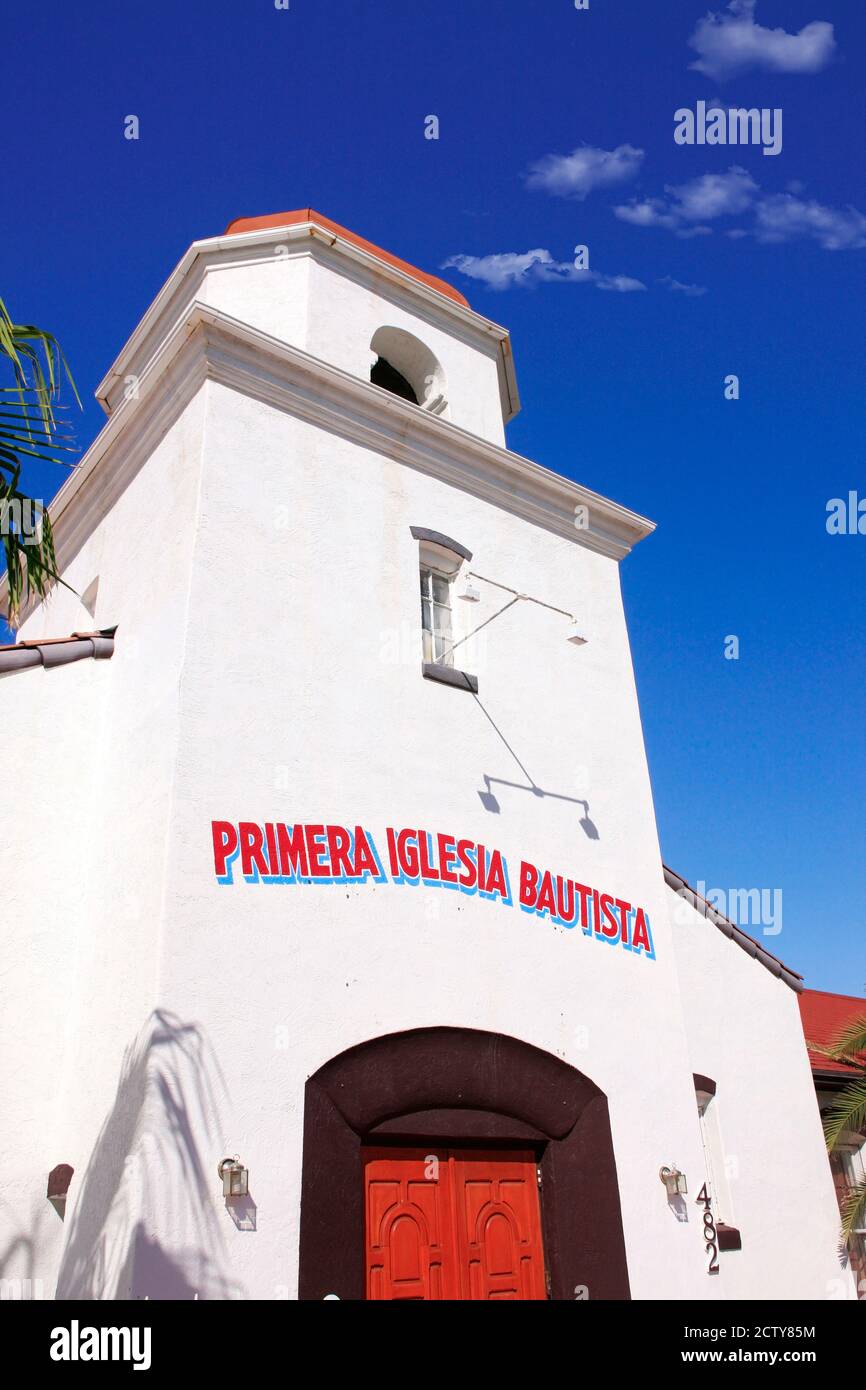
[462, 1086]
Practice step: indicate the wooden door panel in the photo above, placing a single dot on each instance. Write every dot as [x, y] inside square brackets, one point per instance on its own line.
[499, 1225]
[467, 1226]
[409, 1224]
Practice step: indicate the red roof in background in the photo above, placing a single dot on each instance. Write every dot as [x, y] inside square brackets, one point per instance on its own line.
[290, 219]
[824, 1017]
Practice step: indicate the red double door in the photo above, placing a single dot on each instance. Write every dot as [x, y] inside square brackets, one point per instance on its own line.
[453, 1224]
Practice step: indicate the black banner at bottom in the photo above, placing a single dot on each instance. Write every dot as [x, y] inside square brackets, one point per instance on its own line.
[235, 1339]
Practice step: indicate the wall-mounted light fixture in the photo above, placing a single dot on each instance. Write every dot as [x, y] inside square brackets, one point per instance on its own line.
[575, 631]
[58, 1187]
[469, 593]
[234, 1177]
[674, 1181]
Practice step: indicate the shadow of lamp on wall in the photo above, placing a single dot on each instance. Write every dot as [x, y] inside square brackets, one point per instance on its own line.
[676, 1188]
[58, 1186]
[490, 802]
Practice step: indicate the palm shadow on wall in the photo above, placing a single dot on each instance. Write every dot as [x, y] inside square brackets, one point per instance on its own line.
[146, 1159]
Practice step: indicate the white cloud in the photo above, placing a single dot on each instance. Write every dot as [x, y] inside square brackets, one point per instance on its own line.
[575, 175]
[731, 42]
[691, 205]
[714, 195]
[777, 216]
[621, 284]
[649, 212]
[507, 269]
[782, 217]
[691, 291]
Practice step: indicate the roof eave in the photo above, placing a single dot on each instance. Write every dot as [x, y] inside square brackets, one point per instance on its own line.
[733, 932]
[57, 651]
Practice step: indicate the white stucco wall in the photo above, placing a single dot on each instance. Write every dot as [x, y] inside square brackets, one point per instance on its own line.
[745, 1033]
[83, 845]
[299, 713]
[265, 583]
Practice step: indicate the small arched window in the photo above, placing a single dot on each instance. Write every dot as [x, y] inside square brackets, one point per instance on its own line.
[384, 375]
[440, 561]
[405, 366]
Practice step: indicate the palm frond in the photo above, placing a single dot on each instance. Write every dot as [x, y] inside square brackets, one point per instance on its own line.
[30, 558]
[30, 428]
[851, 1041]
[37, 363]
[832, 1051]
[854, 1210]
[847, 1113]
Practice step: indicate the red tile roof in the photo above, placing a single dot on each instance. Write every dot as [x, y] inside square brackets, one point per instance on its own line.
[290, 219]
[824, 1017]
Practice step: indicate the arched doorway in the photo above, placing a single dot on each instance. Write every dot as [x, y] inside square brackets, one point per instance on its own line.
[461, 1092]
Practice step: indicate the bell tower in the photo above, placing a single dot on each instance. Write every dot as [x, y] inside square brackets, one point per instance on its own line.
[313, 284]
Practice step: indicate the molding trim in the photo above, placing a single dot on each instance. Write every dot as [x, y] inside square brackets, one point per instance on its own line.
[208, 344]
[421, 533]
[304, 238]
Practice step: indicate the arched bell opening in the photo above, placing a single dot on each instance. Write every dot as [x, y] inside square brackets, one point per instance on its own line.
[406, 367]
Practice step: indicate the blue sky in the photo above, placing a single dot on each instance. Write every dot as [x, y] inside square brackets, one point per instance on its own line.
[759, 764]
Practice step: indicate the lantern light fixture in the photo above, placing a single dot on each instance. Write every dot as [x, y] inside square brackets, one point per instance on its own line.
[674, 1181]
[234, 1177]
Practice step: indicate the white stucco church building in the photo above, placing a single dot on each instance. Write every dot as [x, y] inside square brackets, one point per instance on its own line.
[341, 958]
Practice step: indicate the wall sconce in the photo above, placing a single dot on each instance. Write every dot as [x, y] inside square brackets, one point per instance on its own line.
[58, 1187]
[469, 593]
[234, 1177]
[674, 1181]
[575, 635]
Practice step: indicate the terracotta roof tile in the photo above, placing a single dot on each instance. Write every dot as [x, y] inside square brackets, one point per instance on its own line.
[824, 1017]
[290, 219]
[49, 641]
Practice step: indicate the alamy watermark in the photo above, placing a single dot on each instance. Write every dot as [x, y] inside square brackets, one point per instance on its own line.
[77, 1343]
[846, 516]
[21, 1290]
[733, 125]
[22, 517]
[744, 907]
